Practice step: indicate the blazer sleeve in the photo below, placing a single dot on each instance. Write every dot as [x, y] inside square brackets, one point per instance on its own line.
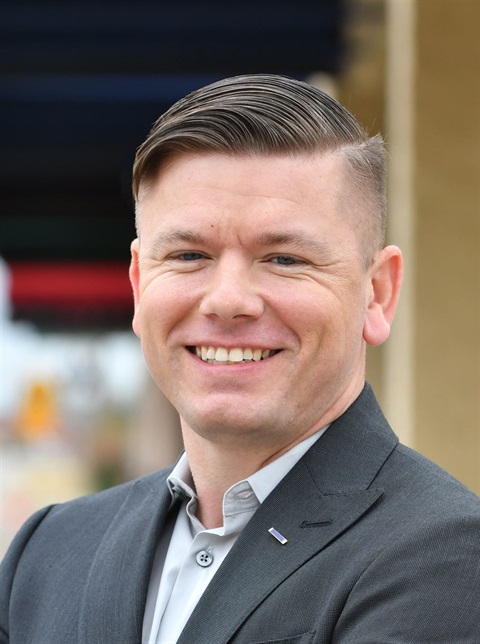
[8, 568]
[424, 588]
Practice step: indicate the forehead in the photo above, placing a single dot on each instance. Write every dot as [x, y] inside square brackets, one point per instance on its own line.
[259, 200]
[298, 179]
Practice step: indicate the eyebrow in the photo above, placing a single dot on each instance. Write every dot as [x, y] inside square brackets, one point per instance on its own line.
[296, 240]
[164, 240]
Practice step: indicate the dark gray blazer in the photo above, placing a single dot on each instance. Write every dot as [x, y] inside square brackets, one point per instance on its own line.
[383, 548]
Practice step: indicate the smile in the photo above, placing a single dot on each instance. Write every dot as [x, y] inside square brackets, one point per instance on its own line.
[221, 355]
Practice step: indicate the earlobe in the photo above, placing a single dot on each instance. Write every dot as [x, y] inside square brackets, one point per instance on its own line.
[134, 274]
[385, 283]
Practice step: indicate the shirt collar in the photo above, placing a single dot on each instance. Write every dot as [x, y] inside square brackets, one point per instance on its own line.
[263, 482]
[266, 479]
[180, 482]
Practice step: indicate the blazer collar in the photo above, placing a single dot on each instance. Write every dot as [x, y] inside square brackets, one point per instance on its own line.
[353, 449]
[326, 492]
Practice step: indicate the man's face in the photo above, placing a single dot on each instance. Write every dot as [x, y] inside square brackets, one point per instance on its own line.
[249, 257]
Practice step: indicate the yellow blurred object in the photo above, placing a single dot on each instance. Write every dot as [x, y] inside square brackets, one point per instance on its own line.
[38, 416]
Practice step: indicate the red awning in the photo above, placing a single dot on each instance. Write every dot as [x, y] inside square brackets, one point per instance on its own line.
[99, 284]
[71, 292]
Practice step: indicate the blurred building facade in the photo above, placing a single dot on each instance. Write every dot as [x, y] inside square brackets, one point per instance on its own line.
[78, 409]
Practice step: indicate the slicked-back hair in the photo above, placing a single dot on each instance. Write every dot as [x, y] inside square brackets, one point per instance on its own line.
[266, 115]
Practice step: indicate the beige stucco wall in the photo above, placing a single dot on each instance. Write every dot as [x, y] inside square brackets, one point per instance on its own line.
[440, 310]
[447, 242]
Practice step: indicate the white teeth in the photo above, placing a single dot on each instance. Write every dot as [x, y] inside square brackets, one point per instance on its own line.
[222, 355]
[235, 355]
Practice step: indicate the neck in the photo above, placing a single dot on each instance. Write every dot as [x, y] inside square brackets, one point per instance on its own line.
[216, 467]
[214, 470]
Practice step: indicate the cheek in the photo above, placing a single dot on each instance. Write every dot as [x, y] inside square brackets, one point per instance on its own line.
[163, 309]
[333, 324]
[165, 298]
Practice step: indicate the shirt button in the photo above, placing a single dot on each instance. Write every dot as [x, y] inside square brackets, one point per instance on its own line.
[204, 558]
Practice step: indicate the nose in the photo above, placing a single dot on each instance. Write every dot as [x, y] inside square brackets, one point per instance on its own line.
[231, 292]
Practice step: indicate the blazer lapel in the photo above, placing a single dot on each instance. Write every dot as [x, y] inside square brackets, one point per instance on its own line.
[258, 563]
[115, 594]
[324, 494]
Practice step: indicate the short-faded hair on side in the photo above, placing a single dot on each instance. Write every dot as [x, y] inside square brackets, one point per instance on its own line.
[267, 115]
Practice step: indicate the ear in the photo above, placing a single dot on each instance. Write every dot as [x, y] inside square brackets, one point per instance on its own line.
[384, 288]
[134, 274]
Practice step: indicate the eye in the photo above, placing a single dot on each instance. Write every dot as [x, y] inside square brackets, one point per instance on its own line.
[284, 260]
[189, 256]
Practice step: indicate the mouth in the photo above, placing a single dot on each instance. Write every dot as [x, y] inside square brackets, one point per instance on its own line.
[237, 355]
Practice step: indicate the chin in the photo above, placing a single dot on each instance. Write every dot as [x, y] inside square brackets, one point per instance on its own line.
[217, 426]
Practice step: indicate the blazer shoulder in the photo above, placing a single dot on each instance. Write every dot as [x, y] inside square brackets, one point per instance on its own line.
[106, 503]
[97, 509]
[431, 471]
[63, 542]
[425, 488]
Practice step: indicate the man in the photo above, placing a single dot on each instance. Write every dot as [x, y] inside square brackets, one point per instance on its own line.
[294, 516]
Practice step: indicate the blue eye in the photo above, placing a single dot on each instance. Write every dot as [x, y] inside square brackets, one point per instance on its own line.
[190, 256]
[284, 260]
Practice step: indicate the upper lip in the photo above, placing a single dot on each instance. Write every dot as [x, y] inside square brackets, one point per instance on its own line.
[230, 345]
